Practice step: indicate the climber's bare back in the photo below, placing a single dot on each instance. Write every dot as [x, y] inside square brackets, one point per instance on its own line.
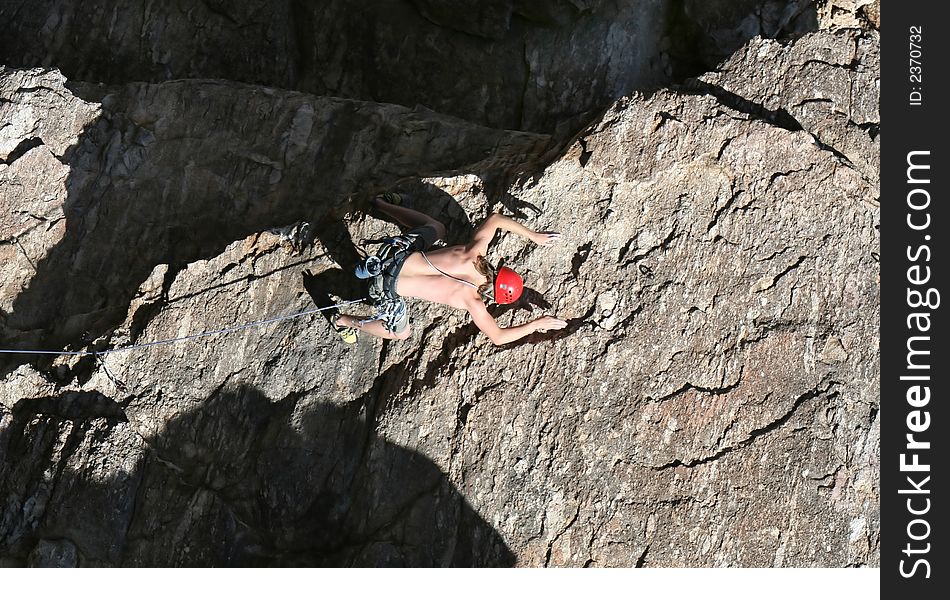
[419, 279]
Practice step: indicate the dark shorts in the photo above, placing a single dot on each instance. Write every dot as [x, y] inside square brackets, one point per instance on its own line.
[420, 239]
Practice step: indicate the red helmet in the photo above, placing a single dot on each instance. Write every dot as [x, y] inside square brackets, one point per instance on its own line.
[508, 286]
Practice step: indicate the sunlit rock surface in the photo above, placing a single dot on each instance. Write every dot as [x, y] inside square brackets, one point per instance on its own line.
[713, 401]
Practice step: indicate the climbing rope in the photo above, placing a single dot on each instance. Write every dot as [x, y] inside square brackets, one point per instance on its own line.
[468, 283]
[193, 336]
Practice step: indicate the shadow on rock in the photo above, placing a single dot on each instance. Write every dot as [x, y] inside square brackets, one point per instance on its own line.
[434, 202]
[174, 173]
[241, 480]
[527, 64]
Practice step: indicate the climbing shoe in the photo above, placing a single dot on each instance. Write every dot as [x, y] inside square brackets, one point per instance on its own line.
[348, 334]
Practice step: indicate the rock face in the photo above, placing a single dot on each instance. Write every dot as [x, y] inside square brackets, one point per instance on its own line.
[516, 64]
[151, 180]
[823, 92]
[721, 384]
[712, 402]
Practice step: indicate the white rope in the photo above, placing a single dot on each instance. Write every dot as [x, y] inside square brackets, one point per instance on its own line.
[184, 338]
[468, 283]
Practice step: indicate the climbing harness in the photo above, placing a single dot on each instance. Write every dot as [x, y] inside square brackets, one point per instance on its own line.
[382, 269]
[100, 353]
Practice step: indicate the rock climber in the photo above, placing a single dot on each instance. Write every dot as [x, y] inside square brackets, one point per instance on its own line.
[459, 276]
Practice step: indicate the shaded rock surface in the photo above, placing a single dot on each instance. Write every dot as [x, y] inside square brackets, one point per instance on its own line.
[173, 172]
[713, 401]
[509, 64]
[516, 64]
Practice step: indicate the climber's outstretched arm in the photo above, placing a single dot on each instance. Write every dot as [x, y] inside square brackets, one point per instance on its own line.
[505, 335]
[486, 231]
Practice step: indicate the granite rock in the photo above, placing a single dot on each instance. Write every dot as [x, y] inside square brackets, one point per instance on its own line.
[713, 401]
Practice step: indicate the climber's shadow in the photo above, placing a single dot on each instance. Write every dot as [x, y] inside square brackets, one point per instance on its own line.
[325, 287]
[244, 480]
[530, 298]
